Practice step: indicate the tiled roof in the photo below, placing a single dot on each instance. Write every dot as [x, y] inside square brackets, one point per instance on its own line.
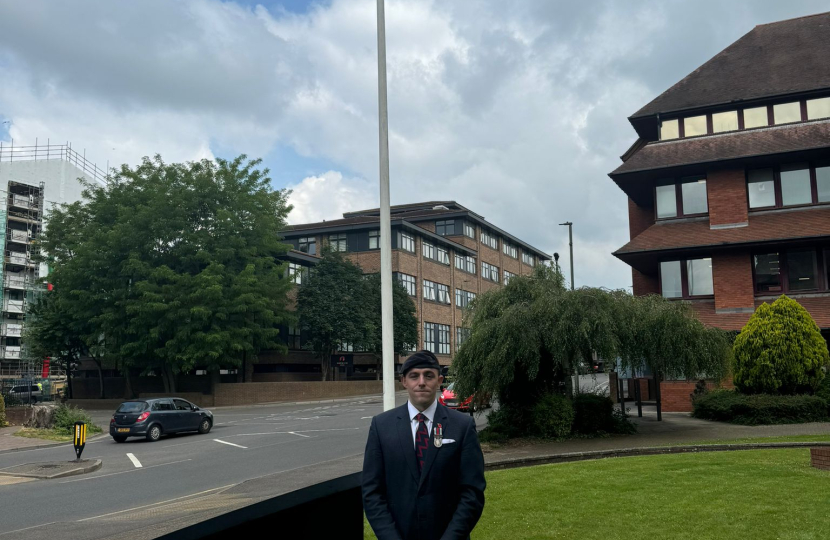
[428, 205]
[764, 227]
[726, 146]
[332, 223]
[774, 59]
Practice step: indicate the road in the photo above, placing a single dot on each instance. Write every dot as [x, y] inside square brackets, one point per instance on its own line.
[244, 444]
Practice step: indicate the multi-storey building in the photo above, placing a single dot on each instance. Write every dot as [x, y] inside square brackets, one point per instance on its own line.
[728, 183]
[443, 254]
[32, 179]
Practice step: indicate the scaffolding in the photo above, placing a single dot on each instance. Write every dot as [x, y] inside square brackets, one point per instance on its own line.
[11, 153]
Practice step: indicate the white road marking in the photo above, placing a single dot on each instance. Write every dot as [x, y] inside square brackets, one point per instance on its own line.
[124, 472]
[154, 504]
[299, 434]
[365, 417]
[135, 461]
[28, 528]
[230, 444]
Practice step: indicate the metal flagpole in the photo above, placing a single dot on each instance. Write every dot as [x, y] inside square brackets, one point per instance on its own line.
[385, 222]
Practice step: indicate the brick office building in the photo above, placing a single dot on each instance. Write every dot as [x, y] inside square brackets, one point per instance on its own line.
[728, 183]
[443, 254]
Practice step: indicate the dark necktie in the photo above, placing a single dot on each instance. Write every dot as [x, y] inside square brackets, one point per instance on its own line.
[421, 440]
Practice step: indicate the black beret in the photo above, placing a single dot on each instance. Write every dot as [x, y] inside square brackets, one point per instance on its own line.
[421, 359]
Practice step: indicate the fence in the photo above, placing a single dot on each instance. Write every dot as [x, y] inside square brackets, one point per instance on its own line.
[29, 391]
[12, 153]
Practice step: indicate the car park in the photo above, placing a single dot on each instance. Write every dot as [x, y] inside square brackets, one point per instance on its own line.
[153, 418]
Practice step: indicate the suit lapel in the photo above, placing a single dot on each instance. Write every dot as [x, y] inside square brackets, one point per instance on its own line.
[406, 440]
[432, 451]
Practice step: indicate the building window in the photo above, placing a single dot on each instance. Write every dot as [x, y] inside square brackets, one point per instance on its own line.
[463, 298]
[308, 245]
[724, 121]
[507, 276]
[407, 281]
[791, 271]
[436, 292]
[756, 117]
[489, 272]
[437, 254]
[818, 108]
[461, 335]
[510, 250]
[686, 198]
[406, 242]
[465, 263]
[374, 239]
[694, 126]
[469, 230]
[784, 113]
[669, 129]
[445, 228]
[489, 240]
[793, 184]
[528, 259]
[338, 242]
[297, 273]
[686, 279]
[293, 338]
[437, 338]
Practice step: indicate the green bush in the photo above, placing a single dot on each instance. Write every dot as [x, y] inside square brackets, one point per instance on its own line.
[593, 414]
[507, 422]
[65, 418]
[824, 389]
[2, 412]
[552, 416]
[780, 351]
[756, 409]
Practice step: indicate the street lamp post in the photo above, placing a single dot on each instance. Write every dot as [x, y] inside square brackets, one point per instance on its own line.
[385, 223]
[571, 244]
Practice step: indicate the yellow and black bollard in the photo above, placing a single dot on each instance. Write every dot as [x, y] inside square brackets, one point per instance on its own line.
[79, 440]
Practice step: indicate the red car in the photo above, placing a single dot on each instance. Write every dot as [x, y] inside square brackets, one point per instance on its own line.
[449, 400]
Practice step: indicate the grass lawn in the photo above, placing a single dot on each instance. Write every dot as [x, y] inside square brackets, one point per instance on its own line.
[757, 494]
[823, 437]
[52, 434]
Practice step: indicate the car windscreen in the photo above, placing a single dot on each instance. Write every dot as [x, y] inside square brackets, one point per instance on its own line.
[451, 386]
[132, 407]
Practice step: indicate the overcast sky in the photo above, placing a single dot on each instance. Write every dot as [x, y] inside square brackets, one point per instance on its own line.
[517, 110]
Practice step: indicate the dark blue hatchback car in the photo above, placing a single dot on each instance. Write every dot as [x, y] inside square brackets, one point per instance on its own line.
[152, 418]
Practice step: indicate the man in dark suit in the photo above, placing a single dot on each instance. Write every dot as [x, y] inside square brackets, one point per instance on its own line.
[423, 470]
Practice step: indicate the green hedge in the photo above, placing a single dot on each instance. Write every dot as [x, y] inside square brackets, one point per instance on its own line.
[593, 414]
[757, 409]
[2, 412]
[65, 418]
[553, 416]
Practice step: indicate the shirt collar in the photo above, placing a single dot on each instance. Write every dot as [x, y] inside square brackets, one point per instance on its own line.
[429, 412]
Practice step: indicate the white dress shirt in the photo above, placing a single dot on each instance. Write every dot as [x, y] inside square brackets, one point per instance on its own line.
[429, 413]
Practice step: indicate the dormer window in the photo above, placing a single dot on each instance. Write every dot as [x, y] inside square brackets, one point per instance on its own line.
[756, 117]
[724, 121]
[818, 108]
[785, 113]
[694, 126]
[670, 129]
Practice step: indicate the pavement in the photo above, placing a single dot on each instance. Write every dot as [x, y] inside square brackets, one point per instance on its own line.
[147, 489]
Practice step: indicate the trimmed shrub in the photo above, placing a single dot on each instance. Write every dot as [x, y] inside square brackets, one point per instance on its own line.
[780, 351]
[552, 416]
[757, 409]
[507, 422]
[65, 418]
[824, 389]
[593, 414]
[2, 412]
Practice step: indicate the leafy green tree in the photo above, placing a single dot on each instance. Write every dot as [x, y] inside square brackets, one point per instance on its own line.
[780, 351]
[405, 323]
[174, 265]
[529, 337]
[332, 308]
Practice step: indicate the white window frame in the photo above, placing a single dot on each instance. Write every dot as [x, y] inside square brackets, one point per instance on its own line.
[374, 239]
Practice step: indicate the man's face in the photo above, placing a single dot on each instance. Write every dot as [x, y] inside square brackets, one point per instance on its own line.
[422, 385]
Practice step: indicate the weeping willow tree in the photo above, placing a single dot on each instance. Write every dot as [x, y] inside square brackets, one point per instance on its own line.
[529, 337]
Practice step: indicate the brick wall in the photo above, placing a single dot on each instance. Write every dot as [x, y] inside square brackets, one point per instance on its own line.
[675, 395]
[199, 399]
[267, 392]
[644, 284]
[727, 196]
[732, 274]
[820, 458]
[640, 218]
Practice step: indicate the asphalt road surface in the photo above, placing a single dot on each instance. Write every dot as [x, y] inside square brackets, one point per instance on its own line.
[245, 443]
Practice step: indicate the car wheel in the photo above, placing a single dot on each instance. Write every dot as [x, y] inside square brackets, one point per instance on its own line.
[154, 433]
[205, 425]
[119, 439]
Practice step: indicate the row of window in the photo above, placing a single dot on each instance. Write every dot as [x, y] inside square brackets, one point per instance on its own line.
[436, 292]
[466, 263]
[507, 276]
[753, 117]
[489, 272]
[775, 272]
[489, 240]
[463, 298]
[684, 198]
[437, 254]
[437, 338]
[510, 250]
[449, 227]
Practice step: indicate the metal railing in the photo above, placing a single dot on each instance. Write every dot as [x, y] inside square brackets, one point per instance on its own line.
[11, 153]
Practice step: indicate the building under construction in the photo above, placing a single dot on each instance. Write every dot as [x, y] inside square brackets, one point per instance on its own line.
[33, 179]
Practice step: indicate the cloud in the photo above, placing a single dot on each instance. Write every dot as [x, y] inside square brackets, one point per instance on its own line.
[515, 110]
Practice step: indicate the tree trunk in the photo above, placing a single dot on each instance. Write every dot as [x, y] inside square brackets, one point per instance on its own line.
[68, 381]
[100, 378]
[128, 384]
[170, 380]
[215, 379]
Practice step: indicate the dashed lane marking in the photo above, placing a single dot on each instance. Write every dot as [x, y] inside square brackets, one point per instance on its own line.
[230, 444]
[299, 434]
[135, 461]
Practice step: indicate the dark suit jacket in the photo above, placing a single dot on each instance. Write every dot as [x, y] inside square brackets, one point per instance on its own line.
[445, 501]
